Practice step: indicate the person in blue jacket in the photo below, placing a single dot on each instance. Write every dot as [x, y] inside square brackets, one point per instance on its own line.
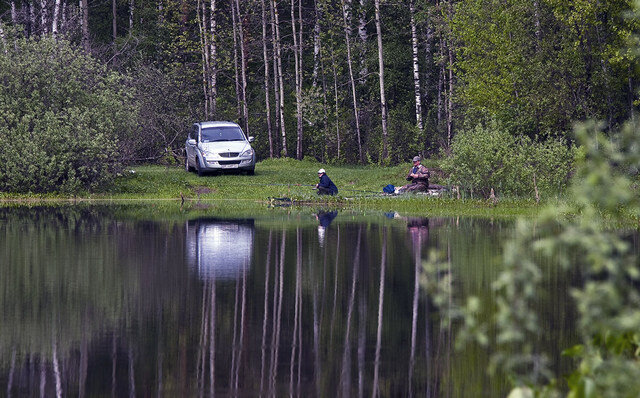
[325, 186]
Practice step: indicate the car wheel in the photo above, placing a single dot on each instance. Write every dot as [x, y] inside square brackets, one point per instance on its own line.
[199, 169]
[251, 172]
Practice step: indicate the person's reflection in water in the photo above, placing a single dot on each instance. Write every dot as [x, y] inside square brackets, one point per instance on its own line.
[419, 231]
[324, 220]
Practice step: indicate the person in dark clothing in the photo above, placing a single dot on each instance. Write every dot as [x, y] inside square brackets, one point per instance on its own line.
[325, 186]
[419, 177]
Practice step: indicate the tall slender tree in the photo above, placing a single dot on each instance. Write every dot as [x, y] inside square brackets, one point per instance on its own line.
[265, 58]
[383, 98]
[346, 18]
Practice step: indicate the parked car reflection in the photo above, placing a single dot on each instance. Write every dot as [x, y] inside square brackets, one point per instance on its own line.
[218, 248]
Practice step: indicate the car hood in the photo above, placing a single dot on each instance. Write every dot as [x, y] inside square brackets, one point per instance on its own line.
[225, 146]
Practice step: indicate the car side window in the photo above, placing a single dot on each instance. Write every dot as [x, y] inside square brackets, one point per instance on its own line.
[194, 133]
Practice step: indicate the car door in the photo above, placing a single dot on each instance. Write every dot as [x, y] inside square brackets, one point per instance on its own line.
[191, 149]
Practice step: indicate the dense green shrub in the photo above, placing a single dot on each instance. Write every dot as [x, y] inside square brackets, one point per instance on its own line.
[483, 158]
[61, 118]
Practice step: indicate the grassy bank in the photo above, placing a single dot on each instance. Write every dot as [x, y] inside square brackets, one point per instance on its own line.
[360, 189]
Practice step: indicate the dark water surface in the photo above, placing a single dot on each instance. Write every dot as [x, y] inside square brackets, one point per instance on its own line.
[99, 301]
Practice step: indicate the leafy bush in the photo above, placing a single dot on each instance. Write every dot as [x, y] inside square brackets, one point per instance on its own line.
[483, 158]
[61, 118]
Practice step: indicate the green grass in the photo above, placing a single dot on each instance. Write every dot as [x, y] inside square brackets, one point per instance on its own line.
[360, 189]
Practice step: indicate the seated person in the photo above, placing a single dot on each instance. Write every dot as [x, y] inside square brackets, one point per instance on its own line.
[325, 186]
[419, 177]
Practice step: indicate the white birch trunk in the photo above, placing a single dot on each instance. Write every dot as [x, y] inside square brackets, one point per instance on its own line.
[43, 17]
[243, 71]
[14, 14]
[131, 9]
[3, 39]
[416, 68]
[54, 23]
[276, 86]
[347, 34]
[280, 78]
[362, 33]
[235, 61]
[265, 57]
[383, 99]
[84, 9]
[32, 19]
[213, 50]
[316, 46]
[204, 52]
[296, 56]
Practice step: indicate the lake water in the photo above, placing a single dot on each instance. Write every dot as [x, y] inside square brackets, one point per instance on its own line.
[124, 301]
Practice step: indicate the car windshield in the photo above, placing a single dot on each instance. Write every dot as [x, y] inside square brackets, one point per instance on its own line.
[213, 134]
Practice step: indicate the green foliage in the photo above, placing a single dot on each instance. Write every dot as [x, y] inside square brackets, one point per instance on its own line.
[536, 66]
[607, 302]
[61, 118]
[489, 157]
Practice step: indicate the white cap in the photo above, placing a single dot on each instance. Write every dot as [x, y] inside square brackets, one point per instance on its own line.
[321, 171]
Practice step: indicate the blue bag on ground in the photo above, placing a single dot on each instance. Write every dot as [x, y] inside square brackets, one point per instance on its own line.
[389, 189]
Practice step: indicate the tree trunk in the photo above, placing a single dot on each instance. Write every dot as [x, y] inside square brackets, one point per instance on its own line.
[316, 46]
[32, 19]
[14, 14]
[335, 92]
[362, 33]
[213, 51]
[243, 71]
[276, 85]
[383, 99]
[266, 77]
[3, 40]
[114, 24]
[416, 69]
[131, 9]
[298, 67]
[54, 19]
[204, 51]
[347, 35]
[84, 7]
[235, 61]
[280, 77]
[43, 17]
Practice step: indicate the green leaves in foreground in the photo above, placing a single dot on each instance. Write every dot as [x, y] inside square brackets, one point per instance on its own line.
[607, 300]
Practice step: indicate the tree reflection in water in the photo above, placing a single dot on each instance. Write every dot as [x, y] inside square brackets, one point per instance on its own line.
[97, 303]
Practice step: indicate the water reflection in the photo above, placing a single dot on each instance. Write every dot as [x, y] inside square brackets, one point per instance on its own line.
[324, 220]
[219, 249]
[97, 303]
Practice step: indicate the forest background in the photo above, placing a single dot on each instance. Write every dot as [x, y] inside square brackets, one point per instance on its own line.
[480, 83]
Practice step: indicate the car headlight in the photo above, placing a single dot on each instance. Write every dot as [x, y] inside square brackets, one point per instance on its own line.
[248, 152]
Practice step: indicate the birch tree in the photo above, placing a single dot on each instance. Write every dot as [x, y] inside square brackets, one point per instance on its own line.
[346, 18]
[54, 23]
[416, 67]
[235, 60]
[114, 17]
[297, 43]
[243, 71]
[265, 58]
[383, 99]
[213, 51]
[84, 10]
[278, 52]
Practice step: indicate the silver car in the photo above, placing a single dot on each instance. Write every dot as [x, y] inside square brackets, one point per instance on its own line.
[218, 146]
